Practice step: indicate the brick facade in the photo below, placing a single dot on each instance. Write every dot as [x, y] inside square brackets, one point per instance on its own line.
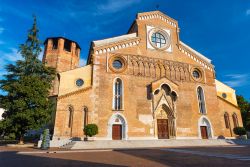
[157, 83]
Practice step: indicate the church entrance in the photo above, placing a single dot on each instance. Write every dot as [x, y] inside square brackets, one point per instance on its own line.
[205, 128]
[117, 127]
[117, 132]
[204, 132]
[164, 123]
[162, 126]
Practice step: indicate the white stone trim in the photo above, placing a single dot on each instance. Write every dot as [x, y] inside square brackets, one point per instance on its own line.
[209, 127]
[125, 44]
[114, 39]
[196, 56]
[122, 122]
[148, 16]
[151, 30]
[203, 97]
[122, 95]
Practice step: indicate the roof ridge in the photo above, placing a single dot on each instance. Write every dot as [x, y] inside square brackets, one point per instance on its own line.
[114, 39]
[228, 102]
[74, 92]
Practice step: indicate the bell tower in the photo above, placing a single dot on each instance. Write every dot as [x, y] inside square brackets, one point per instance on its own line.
[62, 54]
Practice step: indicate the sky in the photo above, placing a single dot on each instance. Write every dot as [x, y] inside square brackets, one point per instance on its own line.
[219, 29]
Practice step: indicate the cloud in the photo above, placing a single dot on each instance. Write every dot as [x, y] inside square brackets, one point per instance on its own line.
[10, 56]
[248, 12]
[113, 6]
[7, 57]
[238, 80]
[1, 30]
[82, 62]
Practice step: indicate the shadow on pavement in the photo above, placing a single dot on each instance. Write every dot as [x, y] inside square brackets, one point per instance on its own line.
[12, 159]
[181, 159]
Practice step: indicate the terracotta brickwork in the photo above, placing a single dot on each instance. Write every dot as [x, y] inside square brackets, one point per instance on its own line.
[155, 84]
[230, 109]
[55, 55]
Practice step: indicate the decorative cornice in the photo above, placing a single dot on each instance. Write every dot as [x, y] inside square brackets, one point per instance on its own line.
[193, 56]
[109, 47]
[157, 15]
[74, 92]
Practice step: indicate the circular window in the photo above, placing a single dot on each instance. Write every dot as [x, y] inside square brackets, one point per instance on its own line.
[159, 39]
[117, 64]
[79, 82]
[224, 95]
[196, 74]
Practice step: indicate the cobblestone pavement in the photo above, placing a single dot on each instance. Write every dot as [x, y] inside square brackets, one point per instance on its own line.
[188, 156]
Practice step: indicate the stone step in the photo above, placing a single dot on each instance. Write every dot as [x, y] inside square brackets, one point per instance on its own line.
[113, 144]
[68, 145]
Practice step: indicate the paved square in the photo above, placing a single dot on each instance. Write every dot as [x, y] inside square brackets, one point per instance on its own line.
[188, 156]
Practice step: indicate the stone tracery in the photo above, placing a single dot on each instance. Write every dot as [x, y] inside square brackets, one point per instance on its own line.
[157, 68]
[164, 107]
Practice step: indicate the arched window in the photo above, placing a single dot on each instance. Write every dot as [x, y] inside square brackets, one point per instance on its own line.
[166, 88]
[235, 120]
[201, 100]
[85, 116]
[70, 118]
[226, 118]
[117, 94]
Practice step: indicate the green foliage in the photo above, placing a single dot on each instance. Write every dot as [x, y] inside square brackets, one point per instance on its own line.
[10, 136]
[248, 126]
[45, 139]
[244, 106]
[240, 131]
[90, 130]
[26, 88]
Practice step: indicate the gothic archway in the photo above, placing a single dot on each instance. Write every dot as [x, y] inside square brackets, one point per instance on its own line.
[117, 124]
[164, 120]
[205, 130]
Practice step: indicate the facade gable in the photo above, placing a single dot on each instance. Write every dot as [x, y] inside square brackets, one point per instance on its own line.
[140, 34]
[143, 88]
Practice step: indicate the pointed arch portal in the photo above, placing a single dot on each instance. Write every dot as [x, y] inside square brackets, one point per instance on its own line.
[117, 127]
[164, 112]
[205, 128]
[164, 123]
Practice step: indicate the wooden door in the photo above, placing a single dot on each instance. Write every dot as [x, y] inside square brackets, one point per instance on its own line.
[117, 132]
[162, 126]
[204, 132]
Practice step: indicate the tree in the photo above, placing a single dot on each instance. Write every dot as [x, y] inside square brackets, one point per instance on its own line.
[244, 106]
[90, 130]
[239, 131]
[26, 87]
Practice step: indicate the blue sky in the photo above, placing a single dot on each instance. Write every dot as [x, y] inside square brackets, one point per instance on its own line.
[217, 29]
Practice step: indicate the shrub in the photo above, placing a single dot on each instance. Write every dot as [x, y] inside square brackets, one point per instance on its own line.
[240, 131]
[45, 139]
[90, 130]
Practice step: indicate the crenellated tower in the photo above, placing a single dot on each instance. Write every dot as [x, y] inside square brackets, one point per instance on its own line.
[62, 54]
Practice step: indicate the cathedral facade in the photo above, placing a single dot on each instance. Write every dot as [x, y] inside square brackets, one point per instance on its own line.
[146, 84]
